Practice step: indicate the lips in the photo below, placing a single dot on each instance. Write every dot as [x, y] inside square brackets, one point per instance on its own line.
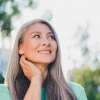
[44, 51]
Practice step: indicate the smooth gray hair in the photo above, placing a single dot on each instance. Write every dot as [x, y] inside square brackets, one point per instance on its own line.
[56, 86]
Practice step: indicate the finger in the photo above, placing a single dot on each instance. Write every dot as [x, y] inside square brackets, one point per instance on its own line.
[23, 59]
[28, 63]
[22, 63]
[23, 68]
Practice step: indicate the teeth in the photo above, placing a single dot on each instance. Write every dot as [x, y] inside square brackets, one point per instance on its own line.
[44, 51]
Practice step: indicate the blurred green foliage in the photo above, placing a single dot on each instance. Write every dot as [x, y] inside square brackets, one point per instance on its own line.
[1, 78]
[89, 79]
[88, 72]
[9, 9]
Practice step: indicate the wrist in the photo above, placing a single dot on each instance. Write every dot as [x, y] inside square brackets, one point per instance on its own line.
[36, 80]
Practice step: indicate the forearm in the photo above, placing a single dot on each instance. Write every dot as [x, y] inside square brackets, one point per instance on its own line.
[34, 90]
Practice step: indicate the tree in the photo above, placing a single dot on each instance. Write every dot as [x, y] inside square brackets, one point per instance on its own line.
[10, 9]
[88, 72]
[90, 80]
[1, 78]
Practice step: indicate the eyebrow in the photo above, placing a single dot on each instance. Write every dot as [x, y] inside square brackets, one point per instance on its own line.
[41, 32]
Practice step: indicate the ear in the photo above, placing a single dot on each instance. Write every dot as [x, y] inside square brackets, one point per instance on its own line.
[20, 49]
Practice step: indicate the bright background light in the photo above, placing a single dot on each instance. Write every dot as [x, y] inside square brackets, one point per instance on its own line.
[67, 15]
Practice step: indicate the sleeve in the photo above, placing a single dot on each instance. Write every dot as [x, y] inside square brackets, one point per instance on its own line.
[83, 96]
[78, 90]
[4, 93]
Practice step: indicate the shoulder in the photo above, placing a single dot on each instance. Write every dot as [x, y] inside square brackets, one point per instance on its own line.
[76, 86]
[78, 90]
[3, 87]
[4, 92]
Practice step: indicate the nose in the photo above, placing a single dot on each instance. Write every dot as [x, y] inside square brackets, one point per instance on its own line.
[45, 42]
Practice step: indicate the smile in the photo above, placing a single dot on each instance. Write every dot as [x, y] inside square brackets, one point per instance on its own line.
[44, 52]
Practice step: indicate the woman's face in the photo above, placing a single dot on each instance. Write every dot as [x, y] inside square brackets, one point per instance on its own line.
[39, 44]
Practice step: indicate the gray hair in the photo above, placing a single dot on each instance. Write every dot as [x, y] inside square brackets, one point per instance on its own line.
[56, 86]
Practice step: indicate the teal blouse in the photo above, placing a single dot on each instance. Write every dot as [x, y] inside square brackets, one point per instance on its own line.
[78, 90]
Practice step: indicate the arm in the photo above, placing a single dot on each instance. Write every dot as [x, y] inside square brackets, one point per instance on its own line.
[34, 75]
[34, 91]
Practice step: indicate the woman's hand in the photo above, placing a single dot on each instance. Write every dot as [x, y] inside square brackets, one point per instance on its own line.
[30, 70]
[35, 76]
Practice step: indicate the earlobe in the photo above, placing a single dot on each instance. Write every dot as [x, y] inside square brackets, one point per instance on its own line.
[20, 49]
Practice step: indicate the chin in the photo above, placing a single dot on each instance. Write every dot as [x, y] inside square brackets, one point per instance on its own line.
[47, 61]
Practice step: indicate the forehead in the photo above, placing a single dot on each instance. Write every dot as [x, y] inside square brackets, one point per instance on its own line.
[39, 27]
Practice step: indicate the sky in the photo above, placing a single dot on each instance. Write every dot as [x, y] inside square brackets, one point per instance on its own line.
[67, 16]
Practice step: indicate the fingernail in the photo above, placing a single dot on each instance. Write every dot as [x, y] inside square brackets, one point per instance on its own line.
[22, 56]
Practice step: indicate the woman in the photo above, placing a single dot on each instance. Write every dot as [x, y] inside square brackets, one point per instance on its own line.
[34, 71]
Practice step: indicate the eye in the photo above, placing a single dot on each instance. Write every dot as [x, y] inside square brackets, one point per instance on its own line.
[52, 37]
[36, 36]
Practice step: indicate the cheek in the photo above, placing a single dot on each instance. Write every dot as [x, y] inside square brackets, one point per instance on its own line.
[30, 46]
[55, 46]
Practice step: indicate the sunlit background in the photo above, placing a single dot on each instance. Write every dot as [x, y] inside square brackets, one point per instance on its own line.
[77, 23]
